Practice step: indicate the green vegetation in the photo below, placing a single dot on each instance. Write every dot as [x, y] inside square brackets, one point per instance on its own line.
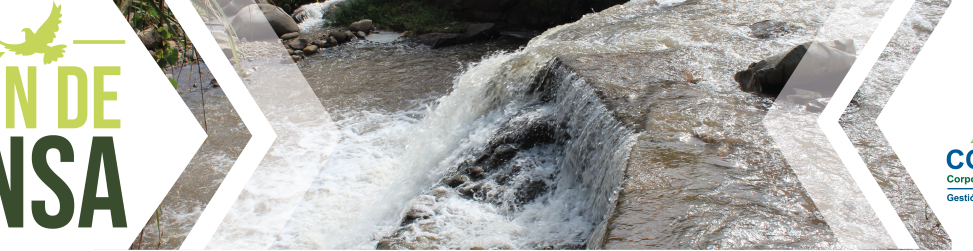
[419, 16]
[153, 14]
[550, 13]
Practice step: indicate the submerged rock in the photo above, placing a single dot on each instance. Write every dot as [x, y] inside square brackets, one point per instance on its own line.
[770, 29]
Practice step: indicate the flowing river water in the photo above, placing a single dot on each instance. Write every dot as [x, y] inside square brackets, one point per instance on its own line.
[495, 145]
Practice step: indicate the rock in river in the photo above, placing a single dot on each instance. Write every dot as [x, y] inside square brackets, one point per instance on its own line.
[364, 25]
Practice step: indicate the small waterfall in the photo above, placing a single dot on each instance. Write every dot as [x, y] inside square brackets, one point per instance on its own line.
[546, 177]
[314, 15]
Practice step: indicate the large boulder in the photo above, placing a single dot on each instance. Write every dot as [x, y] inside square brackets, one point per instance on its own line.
[364, 25]
[279, 20]
[251, 22]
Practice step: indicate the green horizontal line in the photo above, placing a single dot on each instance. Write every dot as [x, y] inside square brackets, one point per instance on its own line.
[99, 41]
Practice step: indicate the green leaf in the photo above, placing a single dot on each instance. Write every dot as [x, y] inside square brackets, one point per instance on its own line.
[172, 56]
[174, 83]
[166, 34]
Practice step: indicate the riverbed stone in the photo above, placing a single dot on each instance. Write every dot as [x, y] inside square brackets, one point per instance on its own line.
[339, 36]
[310, 49]
[364, 25]
[349, 35]
[298, 44]
[360, 34]
[289, 36]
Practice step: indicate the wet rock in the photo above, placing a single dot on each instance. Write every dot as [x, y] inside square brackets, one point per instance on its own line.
[360, 34]
[531, 191]
[474, 171]
[385, 244]
[526, 132]
[505, 152]
[298, 44]
[332, 41]
[364, 25]
[150, 38]
[770, 29]
[349, 35]
[457, 180]
[768, 76]
[311, 49]
[475, 191]
[437, 40]
[823, 67]
[407, 34]
[296, 58]
[289, 36]
[339, 36]
[416, 214]
[290, 51]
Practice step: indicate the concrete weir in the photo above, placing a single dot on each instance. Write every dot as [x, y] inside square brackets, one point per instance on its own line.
[702, 172]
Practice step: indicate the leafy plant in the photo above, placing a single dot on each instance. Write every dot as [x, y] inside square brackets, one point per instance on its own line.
[153, 14]
[419, 16]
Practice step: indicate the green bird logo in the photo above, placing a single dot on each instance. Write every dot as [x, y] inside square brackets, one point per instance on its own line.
[37, 42]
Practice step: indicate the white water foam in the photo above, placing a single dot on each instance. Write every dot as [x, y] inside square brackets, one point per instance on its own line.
[314, 15]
